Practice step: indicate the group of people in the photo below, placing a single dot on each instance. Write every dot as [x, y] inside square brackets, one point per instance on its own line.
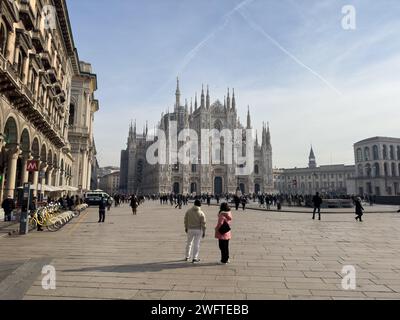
[317, 201]
[195, 223]
[106, 204]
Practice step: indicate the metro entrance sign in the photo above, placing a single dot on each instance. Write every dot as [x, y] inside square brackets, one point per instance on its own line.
[32, 166]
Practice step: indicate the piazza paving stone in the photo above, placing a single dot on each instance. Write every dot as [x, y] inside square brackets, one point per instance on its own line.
[274, 255]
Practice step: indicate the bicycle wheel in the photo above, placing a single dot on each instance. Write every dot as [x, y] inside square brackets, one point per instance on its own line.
[32, 224]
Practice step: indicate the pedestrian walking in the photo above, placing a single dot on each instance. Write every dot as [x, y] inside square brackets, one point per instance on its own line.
[223, 231]
[134, 204]
[317, 200]
[8, 205]
[102, 209]
[236, 199]
[195, 227]
[244, 202]
[359, 209]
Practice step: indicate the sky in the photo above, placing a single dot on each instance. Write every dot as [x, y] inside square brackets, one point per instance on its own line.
[291, 61]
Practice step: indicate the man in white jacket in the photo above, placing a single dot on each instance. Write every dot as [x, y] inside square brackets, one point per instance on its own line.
[195, 227]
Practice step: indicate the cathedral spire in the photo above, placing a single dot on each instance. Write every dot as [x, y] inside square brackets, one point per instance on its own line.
[233, 101]
[264, 136]
[228, 101]
[208, 98]
[195, 101]
[147, 128]
[225, 103]
[191, 105]
[131, 128]
[268, 134]
[178, 95]
[248, 118]
[202, 97]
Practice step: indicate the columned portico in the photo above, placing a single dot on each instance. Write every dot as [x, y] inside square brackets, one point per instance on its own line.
[25, 173]
[13, 155]
[36, 179]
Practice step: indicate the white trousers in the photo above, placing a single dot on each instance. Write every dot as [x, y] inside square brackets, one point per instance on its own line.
[193, 241]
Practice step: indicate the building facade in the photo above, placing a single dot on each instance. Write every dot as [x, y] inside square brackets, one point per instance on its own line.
[332, 180]
[82, 109]
[138, 176]
[110, 183]
[378, 166]
[37, 64]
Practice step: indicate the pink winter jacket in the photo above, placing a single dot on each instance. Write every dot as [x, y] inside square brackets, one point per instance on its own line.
[223, 216]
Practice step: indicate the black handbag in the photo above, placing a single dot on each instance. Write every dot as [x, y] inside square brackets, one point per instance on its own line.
[225, 228]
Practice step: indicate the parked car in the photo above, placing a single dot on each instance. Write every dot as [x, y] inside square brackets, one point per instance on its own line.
[94, 198]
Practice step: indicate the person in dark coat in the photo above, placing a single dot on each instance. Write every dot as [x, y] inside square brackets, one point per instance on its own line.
[243, 200]
[359, 209]
[8, 205]
[134, 204]
[102, 209]
[237, 202]
[317, 200]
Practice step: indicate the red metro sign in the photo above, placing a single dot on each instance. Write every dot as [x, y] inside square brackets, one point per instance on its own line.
[32, 166]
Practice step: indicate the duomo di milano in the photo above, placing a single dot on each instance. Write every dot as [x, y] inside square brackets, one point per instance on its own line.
[138, 176]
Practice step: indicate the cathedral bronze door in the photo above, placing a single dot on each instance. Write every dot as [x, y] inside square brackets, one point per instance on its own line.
[242, 188]
[218, 188]
[257, 188]
[193, 188]
[176, 188]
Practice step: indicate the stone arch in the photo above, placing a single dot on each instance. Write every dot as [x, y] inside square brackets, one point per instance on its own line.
[11, 130]
[176, 187]
[376, 170]
[35, 148]
[50, 157]
[256, 168]
[55, 160]
[367, 154]
[375, 151]
[218, 125]
[25, 141]
[43, 152]
[393, 170]
[359, 154]
[368, 170]
[193, 188]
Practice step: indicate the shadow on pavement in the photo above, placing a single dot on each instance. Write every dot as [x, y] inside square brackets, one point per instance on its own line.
[146, 267]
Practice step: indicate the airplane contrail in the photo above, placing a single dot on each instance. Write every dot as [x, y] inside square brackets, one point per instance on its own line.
[193, 52]
[259, 29]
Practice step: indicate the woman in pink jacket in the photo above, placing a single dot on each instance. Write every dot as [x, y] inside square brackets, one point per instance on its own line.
[224, 216]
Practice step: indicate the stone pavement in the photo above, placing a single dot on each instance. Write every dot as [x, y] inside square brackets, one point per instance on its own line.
[274, 256]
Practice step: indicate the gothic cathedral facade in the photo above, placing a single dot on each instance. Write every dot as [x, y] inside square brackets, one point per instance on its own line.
[139, 177]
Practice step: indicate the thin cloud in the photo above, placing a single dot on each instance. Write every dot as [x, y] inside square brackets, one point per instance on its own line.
[196, 49]
[259, 29]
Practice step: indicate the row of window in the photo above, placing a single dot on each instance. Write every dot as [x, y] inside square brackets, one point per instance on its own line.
[36, 83]
[388, 153]
[317, 185]
[389, 170]
[323, 176]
